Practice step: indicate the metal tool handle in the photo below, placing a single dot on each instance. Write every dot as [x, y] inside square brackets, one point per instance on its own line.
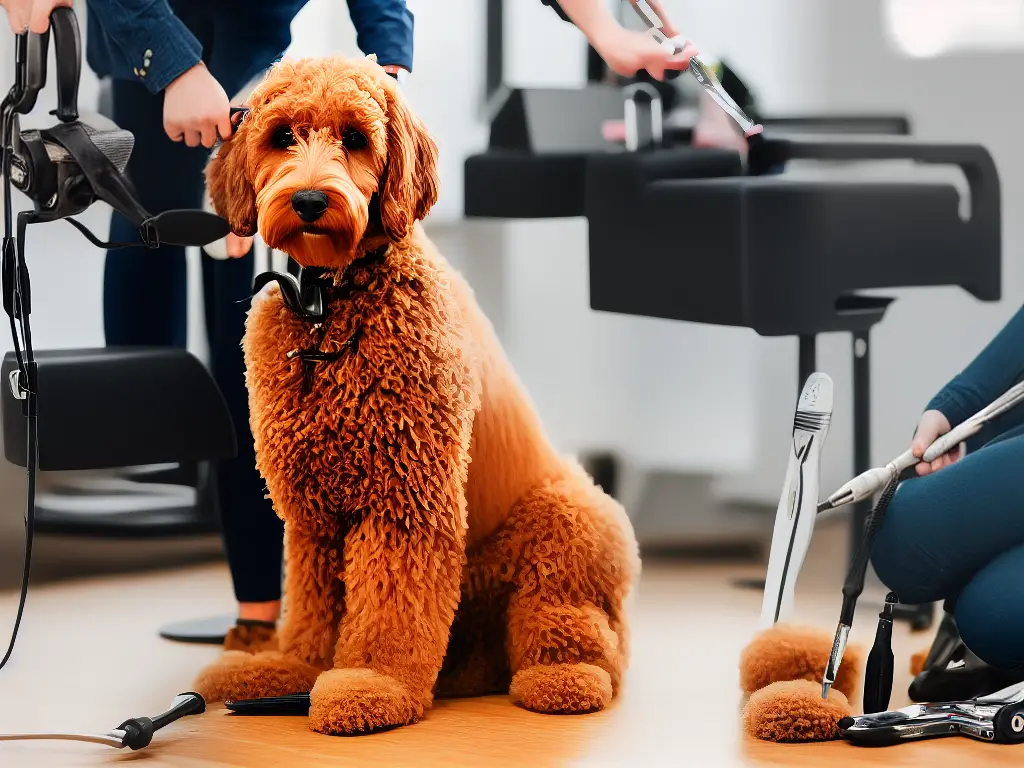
[138, 732]
[184, 704]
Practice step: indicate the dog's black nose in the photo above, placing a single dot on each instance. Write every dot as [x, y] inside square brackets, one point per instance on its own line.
[309, 204]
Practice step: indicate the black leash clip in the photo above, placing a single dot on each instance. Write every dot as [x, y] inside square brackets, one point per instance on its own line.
[878, 672]
[302, 295]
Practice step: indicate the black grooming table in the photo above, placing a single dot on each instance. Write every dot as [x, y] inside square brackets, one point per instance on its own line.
[699, 236]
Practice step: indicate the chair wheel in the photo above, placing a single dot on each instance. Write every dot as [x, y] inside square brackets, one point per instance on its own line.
[1009, 725]
[210, 631]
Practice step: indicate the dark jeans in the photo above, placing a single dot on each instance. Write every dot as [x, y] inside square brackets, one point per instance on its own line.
[144, 295]
[958, 536]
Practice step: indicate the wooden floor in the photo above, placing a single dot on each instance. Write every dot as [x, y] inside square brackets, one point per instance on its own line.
[89, 657]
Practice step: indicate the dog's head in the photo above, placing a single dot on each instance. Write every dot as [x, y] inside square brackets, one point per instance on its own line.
[328, 161]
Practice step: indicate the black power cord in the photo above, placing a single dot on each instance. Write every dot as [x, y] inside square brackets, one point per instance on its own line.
[17, 305]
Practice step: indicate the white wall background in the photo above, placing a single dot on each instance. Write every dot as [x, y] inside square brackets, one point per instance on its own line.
[665, 395]
[967, 96]
[692, 398]
[669, 395]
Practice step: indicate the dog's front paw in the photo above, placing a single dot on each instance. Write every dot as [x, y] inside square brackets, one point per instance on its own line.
[350, 701]
[562, 688]
[786, 652]
[793, 710]
[240, 675]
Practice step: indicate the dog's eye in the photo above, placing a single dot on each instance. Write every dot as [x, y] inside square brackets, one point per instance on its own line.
[282, 138]
[353, 139]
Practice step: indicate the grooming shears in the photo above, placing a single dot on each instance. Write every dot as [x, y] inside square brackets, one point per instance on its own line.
[698, 68]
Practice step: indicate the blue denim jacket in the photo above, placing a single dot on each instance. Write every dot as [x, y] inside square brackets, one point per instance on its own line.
[154, 41]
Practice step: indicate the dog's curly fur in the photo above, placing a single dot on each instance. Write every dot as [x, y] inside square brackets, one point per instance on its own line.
[781, 670]
[793, 711]
[790, 652]
[436, 543]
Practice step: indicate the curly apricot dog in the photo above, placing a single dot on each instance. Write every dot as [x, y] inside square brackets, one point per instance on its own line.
[436, 543]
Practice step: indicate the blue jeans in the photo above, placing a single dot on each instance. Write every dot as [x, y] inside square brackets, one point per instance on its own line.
[958, 536]
[144, 303]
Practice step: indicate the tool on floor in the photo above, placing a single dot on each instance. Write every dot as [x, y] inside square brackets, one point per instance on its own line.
[854, 586]
[796, 513]
[998, 718]
[63, 171]
[291, 704]
[878, 671]
[701, 71]
[887, 479]
[136, 733]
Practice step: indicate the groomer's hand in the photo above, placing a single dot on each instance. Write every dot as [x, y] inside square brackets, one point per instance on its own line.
[31, 15]
[931, 427]
[627, 52]
[196, 109]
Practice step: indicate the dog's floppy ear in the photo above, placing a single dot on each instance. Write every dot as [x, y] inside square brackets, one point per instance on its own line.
[409, 187]
[231, 191]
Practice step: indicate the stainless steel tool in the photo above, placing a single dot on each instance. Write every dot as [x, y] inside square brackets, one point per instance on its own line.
[703, 72]
[997, 718]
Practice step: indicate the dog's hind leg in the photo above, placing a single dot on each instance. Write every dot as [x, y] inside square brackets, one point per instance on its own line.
[568, 554]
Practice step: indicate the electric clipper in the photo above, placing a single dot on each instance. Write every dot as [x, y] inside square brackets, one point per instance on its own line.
[797, 510]
[997, 718]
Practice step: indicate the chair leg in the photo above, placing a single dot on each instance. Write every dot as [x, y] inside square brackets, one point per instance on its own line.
[861, 432]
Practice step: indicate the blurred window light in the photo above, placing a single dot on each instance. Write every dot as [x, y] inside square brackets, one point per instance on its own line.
[929, 28]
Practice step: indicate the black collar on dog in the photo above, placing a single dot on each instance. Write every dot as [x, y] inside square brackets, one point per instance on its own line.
[305, 295]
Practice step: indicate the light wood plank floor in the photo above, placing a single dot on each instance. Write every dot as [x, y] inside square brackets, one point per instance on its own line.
[90, 658]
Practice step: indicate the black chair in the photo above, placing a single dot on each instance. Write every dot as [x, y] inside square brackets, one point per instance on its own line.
[121, 408]
[784, 257]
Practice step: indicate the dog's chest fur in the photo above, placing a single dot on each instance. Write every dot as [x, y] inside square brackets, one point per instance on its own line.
[324, 396]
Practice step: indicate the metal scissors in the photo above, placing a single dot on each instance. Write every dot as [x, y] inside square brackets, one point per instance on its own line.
[698, 68]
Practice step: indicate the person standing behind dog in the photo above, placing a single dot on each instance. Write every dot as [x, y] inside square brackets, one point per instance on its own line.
[172, 64]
